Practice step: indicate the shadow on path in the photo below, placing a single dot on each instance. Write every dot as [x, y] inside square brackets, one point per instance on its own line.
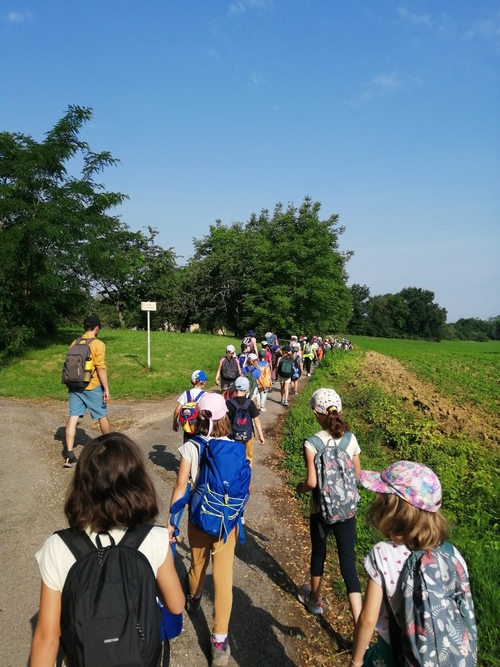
[161, 457]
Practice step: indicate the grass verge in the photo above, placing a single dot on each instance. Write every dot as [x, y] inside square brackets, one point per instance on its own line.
[388, 431]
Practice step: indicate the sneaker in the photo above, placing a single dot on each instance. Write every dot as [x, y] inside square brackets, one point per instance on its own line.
[69, 462]
[263, 409]
[285, 403]
[220, 652]
[303, 596]
[309, 375]
[192, 603]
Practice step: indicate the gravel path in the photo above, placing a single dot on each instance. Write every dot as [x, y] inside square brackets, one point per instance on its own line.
[267, 625]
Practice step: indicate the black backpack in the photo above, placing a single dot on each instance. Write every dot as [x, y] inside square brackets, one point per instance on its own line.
[229, 369]
[77, 370]
[109, 613]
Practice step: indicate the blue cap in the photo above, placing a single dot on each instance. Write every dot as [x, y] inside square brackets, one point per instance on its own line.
[198, 376]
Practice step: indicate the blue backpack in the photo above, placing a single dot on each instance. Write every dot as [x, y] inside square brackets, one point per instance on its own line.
[242, 423]
[221, 493]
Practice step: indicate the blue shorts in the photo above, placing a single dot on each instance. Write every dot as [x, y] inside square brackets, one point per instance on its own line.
[91, 400]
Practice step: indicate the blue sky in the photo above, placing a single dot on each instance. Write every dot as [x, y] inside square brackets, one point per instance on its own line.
[387, 112]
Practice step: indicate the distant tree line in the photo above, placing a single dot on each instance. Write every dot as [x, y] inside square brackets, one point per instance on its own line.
[412, 313]
[63, 254]
[473, 328]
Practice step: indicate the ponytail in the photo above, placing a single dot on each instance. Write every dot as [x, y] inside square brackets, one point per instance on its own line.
[335, 425]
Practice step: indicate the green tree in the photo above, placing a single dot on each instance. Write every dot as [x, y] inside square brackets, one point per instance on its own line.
[282, 272]
[425, 319]
[360, 295]
[50, 220]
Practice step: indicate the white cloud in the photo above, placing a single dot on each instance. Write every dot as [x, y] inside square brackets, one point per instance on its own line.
[242, 5]
[488, 29]
[382, 85]
[416, 19]
[257, 79]
[385, 84]
[15, 17]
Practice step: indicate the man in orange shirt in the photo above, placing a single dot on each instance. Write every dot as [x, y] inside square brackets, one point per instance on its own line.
[94, 397]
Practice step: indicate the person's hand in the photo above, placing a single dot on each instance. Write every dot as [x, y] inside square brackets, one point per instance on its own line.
[171, 536]
[300, 488]
[175, 426]
[261, 439]
[217, 381]
[105, 396]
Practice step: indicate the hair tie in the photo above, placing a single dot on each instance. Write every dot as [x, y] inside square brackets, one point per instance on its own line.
[332, 408]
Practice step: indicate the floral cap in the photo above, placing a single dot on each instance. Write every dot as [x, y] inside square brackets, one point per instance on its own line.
[324, 399]
[413, 482]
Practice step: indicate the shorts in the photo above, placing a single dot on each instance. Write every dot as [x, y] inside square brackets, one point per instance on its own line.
[226, 384]
[91, 400]
[284, 380]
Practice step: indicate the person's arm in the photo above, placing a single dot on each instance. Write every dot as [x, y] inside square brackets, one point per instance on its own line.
[357, 465]
[179, 490]
[217, 375]
[311, 480]
[175, 417]
[102, 373]
[258, 428]
[45, 644]
[169, 587]
[367, 620]
[182, 480]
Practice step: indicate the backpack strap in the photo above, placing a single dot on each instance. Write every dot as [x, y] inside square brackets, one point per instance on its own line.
[345, 440]
[235, 403]
[246, 404]
[199, 395]
[134, 537]
[316, 442]
[188, 396]
[78, 542]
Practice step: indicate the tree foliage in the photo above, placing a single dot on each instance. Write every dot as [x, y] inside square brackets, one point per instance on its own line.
[473, 328]
[282, 272]
[49, 223]
[411, 313]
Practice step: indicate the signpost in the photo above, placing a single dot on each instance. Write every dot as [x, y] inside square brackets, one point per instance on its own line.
[148, 306]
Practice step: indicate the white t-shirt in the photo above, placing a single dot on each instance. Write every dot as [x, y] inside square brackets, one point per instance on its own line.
[384, 564]
[191, 452]
[55, 559]
[353, 449]
[195, 392]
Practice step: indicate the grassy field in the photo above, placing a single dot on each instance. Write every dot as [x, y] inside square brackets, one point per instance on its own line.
[388, 430]
[37, 374]
[463, 370]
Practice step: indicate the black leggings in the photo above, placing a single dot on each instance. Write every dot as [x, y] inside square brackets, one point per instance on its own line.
[345, 536]
[307, 364]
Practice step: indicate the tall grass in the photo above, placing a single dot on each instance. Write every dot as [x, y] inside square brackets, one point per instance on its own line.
[469, 472]
[37, 374]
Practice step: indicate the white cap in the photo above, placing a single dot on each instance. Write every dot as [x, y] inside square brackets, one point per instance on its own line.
[231, 348]
[324, 399]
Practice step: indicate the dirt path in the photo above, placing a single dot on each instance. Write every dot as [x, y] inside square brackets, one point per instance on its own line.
[268, 626]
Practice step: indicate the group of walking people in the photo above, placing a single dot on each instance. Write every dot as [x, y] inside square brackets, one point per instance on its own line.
[112, 494]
